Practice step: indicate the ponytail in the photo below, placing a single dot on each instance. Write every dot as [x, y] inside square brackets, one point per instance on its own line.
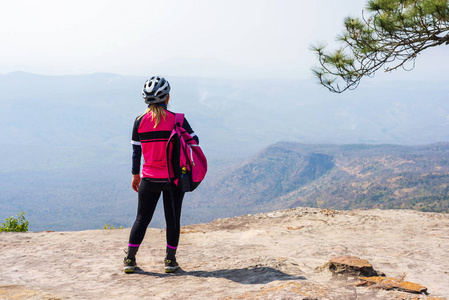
[156, 112]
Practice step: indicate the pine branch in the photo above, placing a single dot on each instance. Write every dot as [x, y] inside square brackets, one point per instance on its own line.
[396, 33]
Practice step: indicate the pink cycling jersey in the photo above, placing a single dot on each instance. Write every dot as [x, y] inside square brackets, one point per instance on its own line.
[153, 143]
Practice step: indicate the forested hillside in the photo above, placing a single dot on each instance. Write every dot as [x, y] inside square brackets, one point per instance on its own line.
[288, 175]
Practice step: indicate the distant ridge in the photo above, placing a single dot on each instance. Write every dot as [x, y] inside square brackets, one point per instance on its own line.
[356, 176]
[26, 73]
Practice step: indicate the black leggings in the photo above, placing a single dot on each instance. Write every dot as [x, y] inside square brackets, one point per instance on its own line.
[149, 194]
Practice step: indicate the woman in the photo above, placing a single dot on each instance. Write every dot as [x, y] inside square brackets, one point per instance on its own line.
[149, 138]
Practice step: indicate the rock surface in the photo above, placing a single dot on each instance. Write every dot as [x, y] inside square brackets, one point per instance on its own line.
[264, 256]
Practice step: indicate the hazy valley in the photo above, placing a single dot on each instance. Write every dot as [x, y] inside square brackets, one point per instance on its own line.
[65, 151]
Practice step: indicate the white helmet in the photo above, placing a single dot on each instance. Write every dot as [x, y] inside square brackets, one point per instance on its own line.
[155, 90]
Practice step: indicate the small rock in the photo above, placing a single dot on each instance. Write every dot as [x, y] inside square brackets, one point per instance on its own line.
[391, 283]
[294, 228]
[351, 265]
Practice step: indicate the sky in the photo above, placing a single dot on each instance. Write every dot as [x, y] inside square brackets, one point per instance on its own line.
[241, 39]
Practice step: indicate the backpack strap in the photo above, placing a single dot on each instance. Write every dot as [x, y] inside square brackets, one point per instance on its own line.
[179, 118]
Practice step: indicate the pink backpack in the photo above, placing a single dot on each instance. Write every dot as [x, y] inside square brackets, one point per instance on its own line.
[188, 160]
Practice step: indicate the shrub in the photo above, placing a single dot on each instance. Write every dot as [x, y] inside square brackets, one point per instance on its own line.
[18, 224]
[107, 226]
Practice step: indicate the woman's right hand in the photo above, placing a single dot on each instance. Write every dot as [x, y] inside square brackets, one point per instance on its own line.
[136, 182]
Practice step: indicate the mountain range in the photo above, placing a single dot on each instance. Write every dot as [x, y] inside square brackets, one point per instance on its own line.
[65, 140]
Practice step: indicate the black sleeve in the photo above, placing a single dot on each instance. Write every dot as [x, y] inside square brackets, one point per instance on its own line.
[135, 135]
[137, 154]
[190, 131]
[137, 148]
